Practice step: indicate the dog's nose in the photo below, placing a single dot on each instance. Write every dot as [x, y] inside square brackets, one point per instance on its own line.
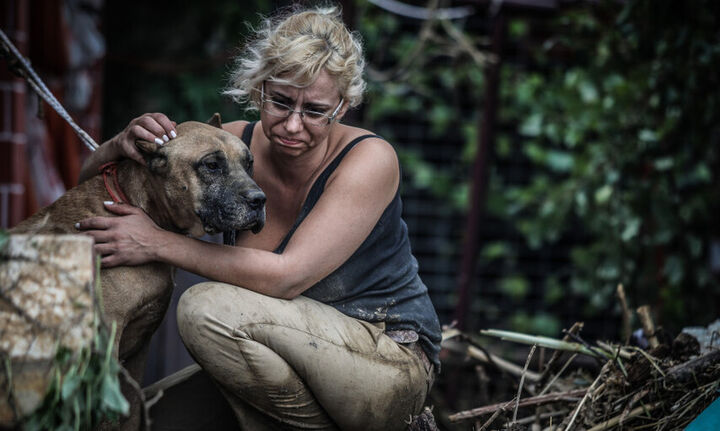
[255, 199]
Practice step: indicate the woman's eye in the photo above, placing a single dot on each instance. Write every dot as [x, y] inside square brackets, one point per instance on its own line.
[280, 105]
[314, 114]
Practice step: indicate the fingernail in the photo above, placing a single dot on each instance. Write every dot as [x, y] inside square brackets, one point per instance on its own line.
[165, 138]
[173, 134]
[108, 202]
[77, 225]
[159, 141]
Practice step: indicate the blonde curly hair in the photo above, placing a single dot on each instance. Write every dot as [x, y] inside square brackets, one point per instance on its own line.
[292, 48]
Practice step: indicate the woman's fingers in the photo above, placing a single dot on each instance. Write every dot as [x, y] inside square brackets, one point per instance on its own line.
[159, 125]
[125, 240]
[94, 223]
[167, 125]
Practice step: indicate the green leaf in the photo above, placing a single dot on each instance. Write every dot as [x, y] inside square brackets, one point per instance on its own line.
[674, 270]
[532, 126]
[664, 164]
[495, 250]
[517, 28]
[631, 229]
[560, 161]
[647, 135]
[70, 384]
[516, 287]
[4, 237]
[588, 92]
[554, 291]
[602, 195]
[112, 397]
[440, 116]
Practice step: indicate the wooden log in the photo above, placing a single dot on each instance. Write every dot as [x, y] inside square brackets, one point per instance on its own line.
[46, 301]
[691, 370]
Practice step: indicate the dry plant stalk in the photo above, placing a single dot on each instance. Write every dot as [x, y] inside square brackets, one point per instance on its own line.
[648, 325]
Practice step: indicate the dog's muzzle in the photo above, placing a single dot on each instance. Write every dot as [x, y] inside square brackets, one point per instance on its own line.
[225, 211]
[256, 203]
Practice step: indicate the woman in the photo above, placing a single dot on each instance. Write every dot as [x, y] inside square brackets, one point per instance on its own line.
[331, 326]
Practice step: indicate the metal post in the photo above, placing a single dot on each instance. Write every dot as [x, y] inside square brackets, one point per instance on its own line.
[480, 174]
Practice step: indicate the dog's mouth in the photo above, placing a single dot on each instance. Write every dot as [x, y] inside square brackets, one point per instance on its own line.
[254, 224]
[232, 219]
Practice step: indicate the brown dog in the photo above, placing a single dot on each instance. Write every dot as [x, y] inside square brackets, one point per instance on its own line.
[198, 182]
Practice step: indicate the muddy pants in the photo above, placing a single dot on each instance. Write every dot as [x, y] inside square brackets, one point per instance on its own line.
[300, 364]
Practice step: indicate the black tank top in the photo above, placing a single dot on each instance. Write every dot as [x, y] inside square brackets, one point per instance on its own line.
[379, 282]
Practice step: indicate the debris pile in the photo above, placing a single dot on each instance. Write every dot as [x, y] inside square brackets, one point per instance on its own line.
[663, 386]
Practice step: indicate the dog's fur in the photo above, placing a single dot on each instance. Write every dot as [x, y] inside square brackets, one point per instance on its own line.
[198, 182]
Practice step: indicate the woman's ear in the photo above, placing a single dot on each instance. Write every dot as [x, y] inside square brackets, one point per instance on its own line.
[343, 109]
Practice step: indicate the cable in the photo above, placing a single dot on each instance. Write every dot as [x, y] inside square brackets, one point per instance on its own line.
[41, 89]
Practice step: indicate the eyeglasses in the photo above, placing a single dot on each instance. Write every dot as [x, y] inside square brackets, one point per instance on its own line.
[308, 116]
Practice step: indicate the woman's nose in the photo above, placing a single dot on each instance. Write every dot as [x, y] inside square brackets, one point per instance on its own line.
[294, 122]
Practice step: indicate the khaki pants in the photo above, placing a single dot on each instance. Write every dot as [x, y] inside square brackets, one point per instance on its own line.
[300, 364]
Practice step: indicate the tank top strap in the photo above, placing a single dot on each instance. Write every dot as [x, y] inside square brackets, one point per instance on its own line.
[318, 187]
[248, 132]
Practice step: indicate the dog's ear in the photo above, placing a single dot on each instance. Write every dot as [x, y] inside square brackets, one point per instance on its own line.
[215, 121]
[156, 162]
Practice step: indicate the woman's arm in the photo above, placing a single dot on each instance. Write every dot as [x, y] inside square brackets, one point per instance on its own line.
[352, 203]
[150, 127]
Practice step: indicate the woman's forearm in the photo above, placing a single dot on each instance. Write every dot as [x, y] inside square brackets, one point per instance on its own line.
[258, 270]
[107, 152]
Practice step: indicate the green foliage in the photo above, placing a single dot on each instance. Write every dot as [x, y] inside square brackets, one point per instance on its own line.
[429, 78]
[618, 117]
[84, 391]
[4, 237]
[622, 143]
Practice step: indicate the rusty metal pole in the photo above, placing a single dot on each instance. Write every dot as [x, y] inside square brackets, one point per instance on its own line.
[478, 190]
[13, 162]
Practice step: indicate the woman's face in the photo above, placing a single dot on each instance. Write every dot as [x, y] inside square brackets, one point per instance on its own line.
[292, 135]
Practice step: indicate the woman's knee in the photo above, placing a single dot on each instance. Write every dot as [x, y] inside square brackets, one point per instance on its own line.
[206, 306]
[194, 303]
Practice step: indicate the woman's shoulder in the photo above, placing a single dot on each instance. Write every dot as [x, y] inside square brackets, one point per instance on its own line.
[370, 142]
[371, 156]
[235, 127]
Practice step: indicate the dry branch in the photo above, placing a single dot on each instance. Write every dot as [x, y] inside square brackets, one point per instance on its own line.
[527, 402]
[616, 420]
[648, 325]
[626, 314]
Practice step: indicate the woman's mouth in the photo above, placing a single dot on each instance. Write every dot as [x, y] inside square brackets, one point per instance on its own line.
[289, 142]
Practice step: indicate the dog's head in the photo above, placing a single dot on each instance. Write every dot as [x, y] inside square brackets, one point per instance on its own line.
[205, 174]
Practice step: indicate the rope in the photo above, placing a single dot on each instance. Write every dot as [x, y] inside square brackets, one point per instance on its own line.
[26, 71]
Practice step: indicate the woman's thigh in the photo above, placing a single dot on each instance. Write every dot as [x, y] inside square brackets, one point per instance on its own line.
[282, 356]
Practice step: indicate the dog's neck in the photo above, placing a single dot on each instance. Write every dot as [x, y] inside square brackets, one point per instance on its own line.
[142, 191]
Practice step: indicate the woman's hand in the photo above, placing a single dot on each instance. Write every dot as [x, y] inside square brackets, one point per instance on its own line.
[155, 127]
[126, 240]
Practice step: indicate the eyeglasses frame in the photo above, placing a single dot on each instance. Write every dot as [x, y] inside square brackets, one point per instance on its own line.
[301, 112]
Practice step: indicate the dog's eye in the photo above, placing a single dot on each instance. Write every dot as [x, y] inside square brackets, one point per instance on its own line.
[212, 165]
